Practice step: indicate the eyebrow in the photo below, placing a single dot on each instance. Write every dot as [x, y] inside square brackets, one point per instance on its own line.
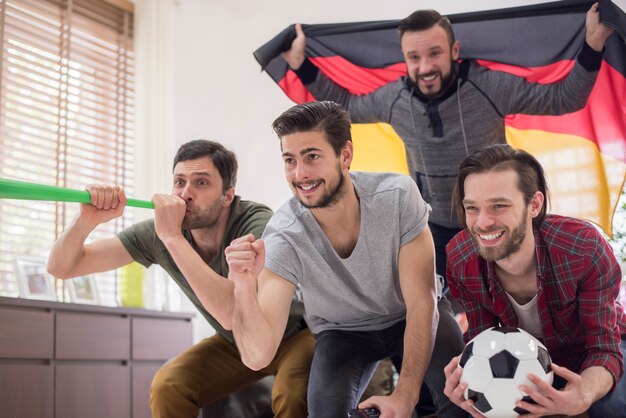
[302, 152]
[432, 48]
[493, 200]
[194, 174]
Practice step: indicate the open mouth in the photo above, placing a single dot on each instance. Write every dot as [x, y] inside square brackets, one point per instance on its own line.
[491, 237]
[308, 187]
[428, 77]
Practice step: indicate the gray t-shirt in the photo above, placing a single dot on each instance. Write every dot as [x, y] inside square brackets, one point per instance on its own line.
[361, 292]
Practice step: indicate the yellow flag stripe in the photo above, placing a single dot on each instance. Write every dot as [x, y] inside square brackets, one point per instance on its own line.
[583, 182]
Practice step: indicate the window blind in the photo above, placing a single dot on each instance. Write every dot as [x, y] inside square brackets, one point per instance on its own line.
[66, 119]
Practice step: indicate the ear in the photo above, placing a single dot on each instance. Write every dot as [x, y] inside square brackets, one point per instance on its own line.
[536, 204]
[347, 153]
[229, 196]
[456, 51]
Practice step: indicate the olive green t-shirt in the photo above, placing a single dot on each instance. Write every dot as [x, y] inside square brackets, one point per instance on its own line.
[246, 217]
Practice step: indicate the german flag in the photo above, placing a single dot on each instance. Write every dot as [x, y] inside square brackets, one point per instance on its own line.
[583, 153]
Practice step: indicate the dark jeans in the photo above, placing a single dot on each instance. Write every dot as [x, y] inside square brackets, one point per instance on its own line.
[344, 362]
[441, 236]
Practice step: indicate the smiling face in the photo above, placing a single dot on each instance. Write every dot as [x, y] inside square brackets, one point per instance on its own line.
[199, 183]
[315, 173]
[497, 217]
[429, 59]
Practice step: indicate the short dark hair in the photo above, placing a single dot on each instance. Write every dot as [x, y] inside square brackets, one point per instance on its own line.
[500, 157]
[224, 160]
[423, 20]
[327, 117]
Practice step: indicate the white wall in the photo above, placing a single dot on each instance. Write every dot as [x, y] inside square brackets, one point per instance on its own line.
[220, 92]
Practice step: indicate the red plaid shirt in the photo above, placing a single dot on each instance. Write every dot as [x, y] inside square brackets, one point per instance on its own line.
[578, 279]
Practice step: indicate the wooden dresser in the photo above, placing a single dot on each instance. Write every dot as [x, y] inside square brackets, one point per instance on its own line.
[63, 360]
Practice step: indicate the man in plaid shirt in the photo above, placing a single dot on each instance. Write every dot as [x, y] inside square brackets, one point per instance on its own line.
[554, 276]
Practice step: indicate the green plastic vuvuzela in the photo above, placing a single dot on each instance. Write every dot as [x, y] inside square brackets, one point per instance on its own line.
[14, 189]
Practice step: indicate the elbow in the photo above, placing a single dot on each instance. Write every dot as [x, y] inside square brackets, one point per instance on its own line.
[54, 270]
[226, 323]
[255, 364]
[573, 106]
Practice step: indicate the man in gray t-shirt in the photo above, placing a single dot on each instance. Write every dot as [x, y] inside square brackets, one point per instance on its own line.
[358, 248]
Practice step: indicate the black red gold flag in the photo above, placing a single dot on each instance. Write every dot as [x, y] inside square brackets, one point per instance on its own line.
[583, 153]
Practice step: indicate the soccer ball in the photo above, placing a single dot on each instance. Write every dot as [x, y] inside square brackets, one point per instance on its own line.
[495, 363]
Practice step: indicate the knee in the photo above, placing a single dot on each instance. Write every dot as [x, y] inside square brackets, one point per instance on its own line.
[289, 400]
[165, 384]
[449, 336]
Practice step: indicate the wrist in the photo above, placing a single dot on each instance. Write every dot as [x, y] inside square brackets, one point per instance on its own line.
[172, 240]
[84, 226]
[307, 72]
[406, 396]
[589, 59]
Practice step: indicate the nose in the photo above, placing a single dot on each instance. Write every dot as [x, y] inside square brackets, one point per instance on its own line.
[186, 193]
[426, 66]
[484, 220]
[301, 172]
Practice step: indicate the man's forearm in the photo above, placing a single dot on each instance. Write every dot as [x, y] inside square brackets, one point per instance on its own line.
[214, 291]
[597, 382]
[253, 335]
[68, 249]
[419, 339]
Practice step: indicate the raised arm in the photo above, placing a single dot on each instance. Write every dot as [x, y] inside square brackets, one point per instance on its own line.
[262, 302]
[295, 55]
[70, 257]
[416, 265]
[214, 291]
[596, 32]
[365, 108]
[512, 94]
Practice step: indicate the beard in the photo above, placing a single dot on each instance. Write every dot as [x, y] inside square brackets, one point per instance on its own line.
[446, 82]
[205, 218]
[330, 197]
[507, 248]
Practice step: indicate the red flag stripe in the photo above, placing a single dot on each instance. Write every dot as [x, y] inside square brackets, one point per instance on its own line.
[605, 125]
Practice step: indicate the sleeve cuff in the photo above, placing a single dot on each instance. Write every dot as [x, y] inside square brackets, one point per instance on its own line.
[611, 364]
[307, 73]
[589, 59]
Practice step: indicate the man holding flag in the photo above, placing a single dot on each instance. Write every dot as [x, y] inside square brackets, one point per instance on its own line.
[444, 110]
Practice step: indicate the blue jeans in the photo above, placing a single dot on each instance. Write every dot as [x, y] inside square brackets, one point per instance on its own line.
[344, 362]
[612, 404]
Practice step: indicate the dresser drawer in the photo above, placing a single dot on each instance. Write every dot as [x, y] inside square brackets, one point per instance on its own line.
[82, 336]
[160, 339]
[26, 334]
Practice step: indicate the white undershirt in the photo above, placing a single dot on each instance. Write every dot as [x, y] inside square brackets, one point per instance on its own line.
[527, 316]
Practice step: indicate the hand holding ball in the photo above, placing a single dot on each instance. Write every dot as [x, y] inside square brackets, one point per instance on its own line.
[495, 363]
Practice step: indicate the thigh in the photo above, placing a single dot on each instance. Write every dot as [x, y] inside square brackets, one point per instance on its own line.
[291, 365]
[448, 340]
[292, 362]
[212, 369]
[448, 344]
[342, 366]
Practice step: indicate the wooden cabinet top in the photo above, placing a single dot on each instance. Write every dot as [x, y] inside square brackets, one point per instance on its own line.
[73, 307]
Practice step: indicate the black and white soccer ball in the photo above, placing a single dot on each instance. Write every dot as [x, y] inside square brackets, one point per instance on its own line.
[495, 363]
